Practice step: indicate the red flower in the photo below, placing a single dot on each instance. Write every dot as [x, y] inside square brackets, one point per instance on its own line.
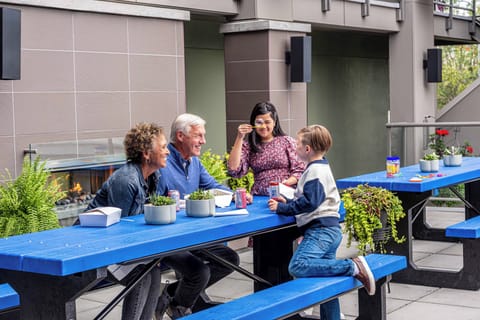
[442, 132]
[469, 149]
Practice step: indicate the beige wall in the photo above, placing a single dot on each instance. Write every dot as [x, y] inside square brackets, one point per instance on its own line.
[88, 75]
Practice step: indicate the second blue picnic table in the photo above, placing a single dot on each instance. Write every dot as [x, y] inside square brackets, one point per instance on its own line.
[414, 194]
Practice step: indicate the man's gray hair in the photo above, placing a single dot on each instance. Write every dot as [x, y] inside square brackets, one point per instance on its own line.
[184, 123]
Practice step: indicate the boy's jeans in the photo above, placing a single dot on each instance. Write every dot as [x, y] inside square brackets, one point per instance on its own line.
[316, 257]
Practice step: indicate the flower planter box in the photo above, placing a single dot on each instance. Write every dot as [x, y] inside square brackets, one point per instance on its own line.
[454, 160]
[429, 165]
[160, 214]
[200, 208]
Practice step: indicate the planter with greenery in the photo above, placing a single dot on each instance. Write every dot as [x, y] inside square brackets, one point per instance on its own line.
[160, 210]
[452, 157]
[216, 166]
[200, 203]
[366, 208]
[430, 162]
[27, 203]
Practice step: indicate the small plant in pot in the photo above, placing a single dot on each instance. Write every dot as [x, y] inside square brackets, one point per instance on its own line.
[452, 157]
[200, 203]
[160, 210]
[430, 162]
[371, 217]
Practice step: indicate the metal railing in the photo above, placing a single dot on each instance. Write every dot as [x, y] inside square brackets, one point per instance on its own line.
[457, 9]
[425, 125]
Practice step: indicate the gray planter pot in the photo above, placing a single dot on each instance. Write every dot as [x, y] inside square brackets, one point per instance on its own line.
[200, 208]
[429, 165]
[454, 160]
[160, 214]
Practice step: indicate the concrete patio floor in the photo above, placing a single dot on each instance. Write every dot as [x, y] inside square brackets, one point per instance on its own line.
[404, 302]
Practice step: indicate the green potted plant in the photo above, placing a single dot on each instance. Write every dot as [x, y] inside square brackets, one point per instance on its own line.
[216, 166]
[371, 217]
[452, 157]
[200, 203]
[160, 210]
[27, 203]
[430, 162]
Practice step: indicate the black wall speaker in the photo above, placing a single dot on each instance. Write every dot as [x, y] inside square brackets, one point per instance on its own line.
[301, 59]
[434, 65]
[10, 42]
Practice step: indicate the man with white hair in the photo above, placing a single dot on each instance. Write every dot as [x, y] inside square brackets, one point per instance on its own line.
[184, 172]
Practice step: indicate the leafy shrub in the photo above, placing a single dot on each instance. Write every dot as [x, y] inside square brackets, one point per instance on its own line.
[27, 204]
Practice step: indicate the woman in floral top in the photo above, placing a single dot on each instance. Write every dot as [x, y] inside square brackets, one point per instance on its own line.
[268, 151]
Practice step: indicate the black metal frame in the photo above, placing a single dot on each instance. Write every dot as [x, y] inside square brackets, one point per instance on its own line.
[414, 226]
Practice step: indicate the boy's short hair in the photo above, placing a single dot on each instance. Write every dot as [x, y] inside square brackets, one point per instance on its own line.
[317, 137]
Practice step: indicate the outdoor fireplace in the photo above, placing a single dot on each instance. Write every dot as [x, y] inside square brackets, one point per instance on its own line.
[80, 168]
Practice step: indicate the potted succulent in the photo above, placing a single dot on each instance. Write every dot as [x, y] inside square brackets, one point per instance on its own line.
[200, 203]
[371, 217]
[452, 157]
[160, 210]
[430, 162]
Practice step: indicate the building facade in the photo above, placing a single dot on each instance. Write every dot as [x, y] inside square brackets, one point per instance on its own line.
[91, 69]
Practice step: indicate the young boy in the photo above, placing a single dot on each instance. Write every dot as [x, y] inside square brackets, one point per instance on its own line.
[315, 207]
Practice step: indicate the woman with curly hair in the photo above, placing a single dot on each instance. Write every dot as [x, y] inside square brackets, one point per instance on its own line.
[128, 189]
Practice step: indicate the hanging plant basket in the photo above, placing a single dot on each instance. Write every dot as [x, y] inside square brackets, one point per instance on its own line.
[371, 217]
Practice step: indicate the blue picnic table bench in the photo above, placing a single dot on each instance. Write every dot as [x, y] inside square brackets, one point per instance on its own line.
[414, 197]
[290, 297]
[8, 297]
[9, 303]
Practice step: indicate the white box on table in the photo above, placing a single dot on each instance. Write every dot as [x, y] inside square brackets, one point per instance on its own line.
[286, 191]
[100, 217]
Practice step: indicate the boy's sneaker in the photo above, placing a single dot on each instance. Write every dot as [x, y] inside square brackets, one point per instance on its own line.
[365, 275]
[175, 312]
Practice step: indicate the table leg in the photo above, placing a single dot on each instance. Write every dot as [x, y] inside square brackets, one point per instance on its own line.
[373, 307]
[50, 297]
[467, 278]
[272, 252]
[472, 194]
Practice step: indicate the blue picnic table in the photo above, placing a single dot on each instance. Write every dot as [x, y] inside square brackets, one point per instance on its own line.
[51, 269]
[414, 196]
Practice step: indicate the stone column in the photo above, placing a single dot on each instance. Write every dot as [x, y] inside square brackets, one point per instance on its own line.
[255, 70]
[412, 98]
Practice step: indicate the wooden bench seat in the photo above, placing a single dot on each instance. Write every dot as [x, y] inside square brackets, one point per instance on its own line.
[293, 296]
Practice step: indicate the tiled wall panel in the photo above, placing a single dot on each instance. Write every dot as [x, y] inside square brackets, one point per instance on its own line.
[89, 75]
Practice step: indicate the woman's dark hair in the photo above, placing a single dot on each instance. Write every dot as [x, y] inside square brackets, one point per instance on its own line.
[259, 109]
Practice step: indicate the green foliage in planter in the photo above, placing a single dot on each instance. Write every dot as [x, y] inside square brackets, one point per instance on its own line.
[27, 203]
[201, 194]
[159, 200]
[215, 166]
[430, 156]
[243, 182]
[363, 205]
